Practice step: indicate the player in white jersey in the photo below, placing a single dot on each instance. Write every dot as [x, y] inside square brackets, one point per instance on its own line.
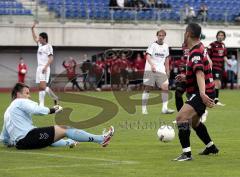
[18, 129]
[44, 59]
[157, 72]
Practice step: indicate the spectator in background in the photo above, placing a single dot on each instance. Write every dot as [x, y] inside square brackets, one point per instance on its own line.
[237, 18]
[138, 4]
[22, 70]
[151, 3]
[117, 4]
[70, 66]
[91, 77]
[85, 68]
[100, 67]
[232, 70]
[202, 13]
[138, 67]
[120, 69]
[189, 14]
[115, 71]
[162, 5]
[89, 74]
[158, 4]
[108, 65]
[126, 70]
[121, 3]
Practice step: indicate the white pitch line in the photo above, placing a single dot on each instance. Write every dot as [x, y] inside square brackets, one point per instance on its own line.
[51, 166]
[73, 157]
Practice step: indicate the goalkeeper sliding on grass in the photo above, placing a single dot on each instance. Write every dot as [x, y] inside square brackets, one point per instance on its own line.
[19, 131]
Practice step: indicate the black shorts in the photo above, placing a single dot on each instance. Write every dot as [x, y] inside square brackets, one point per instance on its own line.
[181, 87]
[37, 138]
[217, 75]
[196, 102]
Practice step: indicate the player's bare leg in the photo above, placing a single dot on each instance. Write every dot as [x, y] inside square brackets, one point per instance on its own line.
[83, 136]
[217, 88]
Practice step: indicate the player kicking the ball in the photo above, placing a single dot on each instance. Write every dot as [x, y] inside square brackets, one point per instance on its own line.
[200, 93]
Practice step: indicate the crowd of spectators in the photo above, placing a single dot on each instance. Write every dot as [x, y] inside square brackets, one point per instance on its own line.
[190, 14]
[121, 71]
[117, 70]
[138, 4]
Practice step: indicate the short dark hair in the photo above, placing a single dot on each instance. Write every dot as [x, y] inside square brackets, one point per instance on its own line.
[194, 29]
[162, 31]
[224, 34]
[18, 88]
[44, 36]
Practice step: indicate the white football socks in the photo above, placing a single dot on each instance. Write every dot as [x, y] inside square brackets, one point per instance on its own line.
[41, 97]
[51, 93]
[145, 97]
[164, 100]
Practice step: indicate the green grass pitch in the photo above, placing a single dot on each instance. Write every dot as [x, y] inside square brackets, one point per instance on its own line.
[134, 150]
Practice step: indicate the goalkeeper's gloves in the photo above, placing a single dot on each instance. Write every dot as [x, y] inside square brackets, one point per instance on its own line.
[55, 109]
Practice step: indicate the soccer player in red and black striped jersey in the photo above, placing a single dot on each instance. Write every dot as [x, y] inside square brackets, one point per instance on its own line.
[181, 86]
[200, 92]
[218, 54]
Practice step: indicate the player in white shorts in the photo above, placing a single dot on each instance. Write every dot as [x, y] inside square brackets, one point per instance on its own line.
[44, 58]
[157, 72]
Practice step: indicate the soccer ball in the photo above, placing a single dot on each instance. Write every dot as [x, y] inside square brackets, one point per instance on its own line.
[166, 133]
[23, 71]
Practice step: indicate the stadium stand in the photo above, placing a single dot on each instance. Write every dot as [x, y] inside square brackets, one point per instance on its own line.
[219, 10]
[12, 7]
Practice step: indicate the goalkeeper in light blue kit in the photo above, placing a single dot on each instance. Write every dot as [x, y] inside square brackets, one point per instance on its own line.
[19, 131]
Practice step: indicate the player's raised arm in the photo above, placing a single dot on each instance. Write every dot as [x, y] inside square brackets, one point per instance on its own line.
[35, 38]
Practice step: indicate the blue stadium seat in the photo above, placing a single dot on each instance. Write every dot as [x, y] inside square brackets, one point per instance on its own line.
[98, 9]
[117, 15]
[149, 14]
[12, 7]
[141, 15]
